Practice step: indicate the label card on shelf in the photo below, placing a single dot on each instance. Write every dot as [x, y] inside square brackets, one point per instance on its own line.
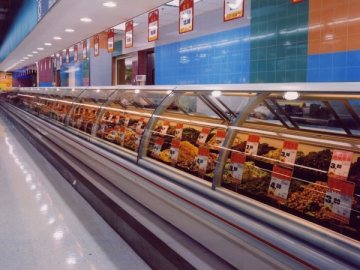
[186, 16]
[178, 131]
[153, 25]
[113, 134]
[289, 151]
[202, 159]
[280, 183]
[233, 9]
[203, 136]
[127, 119]
[140, 123]
[138, 136]
[236, 167]
[122, 135]
[252, 144]
[339, 198]
[157, 147]
[174, 150]
[165, 127]
[220, 138]
[340, 164]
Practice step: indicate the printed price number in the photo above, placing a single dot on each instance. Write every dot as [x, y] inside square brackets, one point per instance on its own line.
[279, 189]
[288, 156]
[236, 171]
[251, 148]
[201, 163]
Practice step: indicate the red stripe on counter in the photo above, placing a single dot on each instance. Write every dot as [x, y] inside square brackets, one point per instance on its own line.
[187, 201]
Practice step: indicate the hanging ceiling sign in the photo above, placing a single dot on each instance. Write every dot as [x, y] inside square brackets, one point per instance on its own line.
[153, 25]
[186, 16]
[233, 9]
[110, 43]
[96, 45]
[75, 53]
[84, 51]
[129, 34]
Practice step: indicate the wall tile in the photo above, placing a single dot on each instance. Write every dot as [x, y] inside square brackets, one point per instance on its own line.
[339, 75]
[339, 59]
[352, 74]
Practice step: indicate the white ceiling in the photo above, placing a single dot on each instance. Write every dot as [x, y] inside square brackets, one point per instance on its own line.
[67, 14]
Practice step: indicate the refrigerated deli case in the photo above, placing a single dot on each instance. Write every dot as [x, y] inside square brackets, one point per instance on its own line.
[298, 154]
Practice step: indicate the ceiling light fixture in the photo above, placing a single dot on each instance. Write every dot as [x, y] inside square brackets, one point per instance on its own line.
[34, 52]
[85, 19]
[40, 49]
[30, 55]
[58, 38]
[109, 4]
[47, 44]
[26, 58]
[69, 30]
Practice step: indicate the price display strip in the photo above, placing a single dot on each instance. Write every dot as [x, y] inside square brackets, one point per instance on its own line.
[202, 159]
[280, 183]
[157, 147]
[233, 9]
[289, 151]
[203, 136]
[174, 151]
[122, 135]
[252, 144]
[220, 138]
[340, 164]
[178, 131]
[165, 127]
[236, 167]
[186, 16]
[338, 199]
[127, 119]
[140, 123]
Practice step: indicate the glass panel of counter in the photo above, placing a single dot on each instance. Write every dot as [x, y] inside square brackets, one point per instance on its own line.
[125, 115]
[189, 133]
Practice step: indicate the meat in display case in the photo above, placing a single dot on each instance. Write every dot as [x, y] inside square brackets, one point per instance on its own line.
[300, 156]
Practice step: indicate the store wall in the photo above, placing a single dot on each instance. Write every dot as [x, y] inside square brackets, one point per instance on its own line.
[45, 72]
[100, 66]
[214, 52]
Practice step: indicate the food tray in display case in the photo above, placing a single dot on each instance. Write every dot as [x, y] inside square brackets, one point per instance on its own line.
[301, 156]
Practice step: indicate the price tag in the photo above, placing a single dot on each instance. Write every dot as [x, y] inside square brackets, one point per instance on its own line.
[79, 121]
[186, 20]
[138, 136]
[340, 164]
[117, 118]
[202, 159]
[203, 136]
[236, 167]
[113, 134]
[157, 147]
[122, 135]
[165, 127]
[127, 119]
[252, 144]
[288, 154]
[140, 123]
[280, 183]
[178, 131]
[220, 137]
[338, 198]
[102, 128]
[174, 150]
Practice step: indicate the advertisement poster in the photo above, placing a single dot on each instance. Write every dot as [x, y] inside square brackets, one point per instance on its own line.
[75, 53]
[84, 50]
[110, 47]
[96, 45]
[129, 34]
[67, 56]
[186, 16]
[153, 25]
[5, 81]
[233, 9]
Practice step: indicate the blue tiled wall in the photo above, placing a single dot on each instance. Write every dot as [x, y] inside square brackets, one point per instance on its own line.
[334, 67]
[279, 41]
[222, 57]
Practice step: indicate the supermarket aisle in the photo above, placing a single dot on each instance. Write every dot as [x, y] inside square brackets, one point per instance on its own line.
[44, 222]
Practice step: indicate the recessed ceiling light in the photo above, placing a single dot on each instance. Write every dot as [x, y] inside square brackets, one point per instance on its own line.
[109, 4]
[69, 30]
[26, 57]
[40, 49]
[85, 19]
[48, 44]
[34, 52]
[30, 55]
[57, 38]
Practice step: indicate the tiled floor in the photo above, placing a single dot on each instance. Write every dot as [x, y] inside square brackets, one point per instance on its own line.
[44, 222]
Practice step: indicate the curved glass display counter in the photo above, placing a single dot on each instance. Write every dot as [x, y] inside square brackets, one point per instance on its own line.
[301, 156]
